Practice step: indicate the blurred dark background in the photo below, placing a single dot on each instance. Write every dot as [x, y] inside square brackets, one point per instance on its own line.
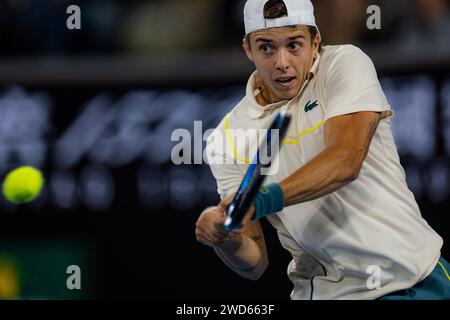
[95, 110]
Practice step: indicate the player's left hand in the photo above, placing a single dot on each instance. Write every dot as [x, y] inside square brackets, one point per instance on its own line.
[248, 216]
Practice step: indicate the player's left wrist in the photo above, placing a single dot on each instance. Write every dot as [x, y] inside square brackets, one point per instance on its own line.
[268, 200]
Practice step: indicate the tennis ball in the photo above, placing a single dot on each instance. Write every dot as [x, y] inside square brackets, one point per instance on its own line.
[23, 184]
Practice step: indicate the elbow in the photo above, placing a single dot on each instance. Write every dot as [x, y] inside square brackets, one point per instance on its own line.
[253, 276]
[353, 173]
[258, 271]
[263, 268]
[351, 166]
[350, 172]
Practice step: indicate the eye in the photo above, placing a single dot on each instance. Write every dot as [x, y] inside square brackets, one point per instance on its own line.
[294, 45]
[265, 48]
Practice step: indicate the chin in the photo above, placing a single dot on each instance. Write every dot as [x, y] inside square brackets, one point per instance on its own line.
[286, 94]
[289, 95]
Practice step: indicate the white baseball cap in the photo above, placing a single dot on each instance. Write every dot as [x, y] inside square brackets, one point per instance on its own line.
[299, 12]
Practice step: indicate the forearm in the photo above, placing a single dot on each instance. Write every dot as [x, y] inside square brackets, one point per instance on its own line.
[243, 255]
[327, 172]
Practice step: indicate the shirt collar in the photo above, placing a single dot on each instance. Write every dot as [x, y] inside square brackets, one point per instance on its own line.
[255, 110]
[315, 67]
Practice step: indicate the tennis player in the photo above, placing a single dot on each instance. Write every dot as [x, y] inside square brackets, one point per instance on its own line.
[339, 200]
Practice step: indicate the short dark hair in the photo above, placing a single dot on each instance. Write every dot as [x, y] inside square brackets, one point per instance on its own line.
[274, 9]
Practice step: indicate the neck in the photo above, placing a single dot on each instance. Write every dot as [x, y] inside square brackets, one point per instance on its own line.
[264, 96]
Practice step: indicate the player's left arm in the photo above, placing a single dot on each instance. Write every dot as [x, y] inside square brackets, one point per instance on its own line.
[347, 141]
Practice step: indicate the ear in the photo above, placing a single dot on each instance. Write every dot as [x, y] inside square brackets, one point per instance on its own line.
[247, 49]
[316, 45]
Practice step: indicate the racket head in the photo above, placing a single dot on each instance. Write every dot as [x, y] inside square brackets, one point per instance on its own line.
[253, 179]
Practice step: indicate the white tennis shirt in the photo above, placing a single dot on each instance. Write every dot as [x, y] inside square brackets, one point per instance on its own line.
[362, 241]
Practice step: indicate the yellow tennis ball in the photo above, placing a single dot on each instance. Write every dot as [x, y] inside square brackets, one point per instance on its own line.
[23, 184]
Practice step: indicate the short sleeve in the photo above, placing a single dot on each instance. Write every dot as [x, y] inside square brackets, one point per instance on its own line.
[352, 85]
[227, 174]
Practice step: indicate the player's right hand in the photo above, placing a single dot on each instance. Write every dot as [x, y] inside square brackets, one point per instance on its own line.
[248, 216]
[209, 228]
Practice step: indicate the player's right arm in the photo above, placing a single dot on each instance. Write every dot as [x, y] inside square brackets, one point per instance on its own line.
[244, 252]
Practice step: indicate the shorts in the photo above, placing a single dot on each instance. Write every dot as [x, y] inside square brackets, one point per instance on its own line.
[434, 287]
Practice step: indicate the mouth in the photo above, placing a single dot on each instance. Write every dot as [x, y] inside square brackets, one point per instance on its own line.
[285, 81]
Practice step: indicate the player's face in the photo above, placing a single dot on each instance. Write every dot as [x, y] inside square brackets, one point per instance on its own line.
[283, 57]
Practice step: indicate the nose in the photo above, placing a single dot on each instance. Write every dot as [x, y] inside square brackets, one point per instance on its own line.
[282, 63]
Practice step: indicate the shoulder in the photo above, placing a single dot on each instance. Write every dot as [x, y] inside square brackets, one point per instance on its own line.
[237, 117]
[344, 57]
[342, 52]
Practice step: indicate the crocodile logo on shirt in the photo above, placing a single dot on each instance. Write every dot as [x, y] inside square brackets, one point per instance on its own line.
[309, 106]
